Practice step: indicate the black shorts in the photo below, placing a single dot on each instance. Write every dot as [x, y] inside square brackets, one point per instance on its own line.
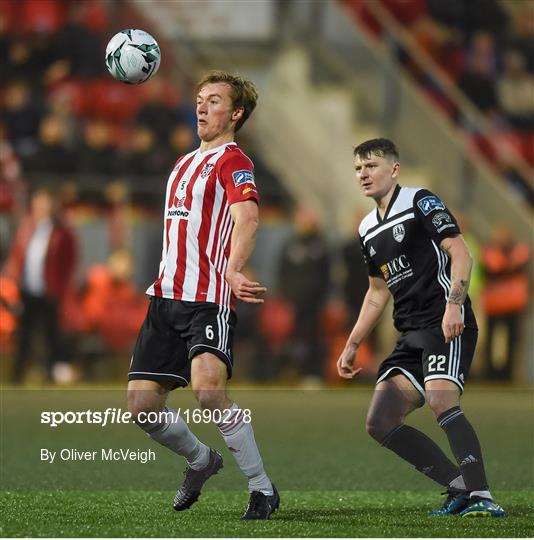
[423, 355]
[174, 332]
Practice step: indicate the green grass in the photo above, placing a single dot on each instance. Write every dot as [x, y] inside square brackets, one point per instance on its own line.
[302, 514]
[333, 479]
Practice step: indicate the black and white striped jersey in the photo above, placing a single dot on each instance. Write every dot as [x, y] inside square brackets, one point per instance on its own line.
[403, 249]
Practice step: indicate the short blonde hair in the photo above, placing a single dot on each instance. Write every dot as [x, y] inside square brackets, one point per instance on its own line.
[243, 93]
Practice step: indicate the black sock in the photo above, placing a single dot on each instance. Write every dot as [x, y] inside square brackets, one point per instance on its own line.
[422, 452]
[465, 447]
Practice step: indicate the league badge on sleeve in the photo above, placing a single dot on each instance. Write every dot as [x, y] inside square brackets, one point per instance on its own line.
[429, 204]
[442, 221]
[243, 177]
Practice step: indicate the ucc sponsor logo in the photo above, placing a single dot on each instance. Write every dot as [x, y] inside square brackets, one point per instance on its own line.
[399, 265]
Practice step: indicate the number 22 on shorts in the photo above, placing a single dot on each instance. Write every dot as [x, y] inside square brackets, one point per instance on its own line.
[435, 362]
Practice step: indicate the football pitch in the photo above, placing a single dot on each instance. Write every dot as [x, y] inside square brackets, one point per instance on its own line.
[334, 481]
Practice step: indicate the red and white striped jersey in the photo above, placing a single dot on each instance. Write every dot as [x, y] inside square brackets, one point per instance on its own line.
[198, 225]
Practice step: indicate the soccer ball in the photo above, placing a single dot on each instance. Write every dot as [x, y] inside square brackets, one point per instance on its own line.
[132, 56]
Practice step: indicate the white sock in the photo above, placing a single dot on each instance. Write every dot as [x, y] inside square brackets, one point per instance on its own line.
[458, 483]
[482, 494]
[174, 433]
[239, 438]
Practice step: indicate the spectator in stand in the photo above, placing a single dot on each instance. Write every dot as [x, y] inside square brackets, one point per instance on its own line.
[523, 39]
[478, 81]
[144, 156]
[52, 155]
[104, 317]
[42, 261]
[157, 112]
[355, 282]
[40, 16]
[26, 56]
[112, 305]
[476, 282]
[22, 114]
[182, 140]
[79, 49]
[12, 191]
[116, 195]
[505, 297]
[304, 280]
[248, 339]
[516, 91]
[470, 16]
[450, 13]
[355, 285]
[97, 156]
[273, 193]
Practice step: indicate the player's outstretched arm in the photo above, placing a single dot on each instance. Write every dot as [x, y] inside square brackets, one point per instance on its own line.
[373, 306]
[461, 264]
[245, 216]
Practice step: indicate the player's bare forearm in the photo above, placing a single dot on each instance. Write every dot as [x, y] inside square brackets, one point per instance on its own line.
[245, 217]
[373, 306]
[461, 264]
[243, 240]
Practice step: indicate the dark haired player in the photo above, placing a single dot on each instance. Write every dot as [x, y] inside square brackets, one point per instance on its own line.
[210, 221]
[415, 253]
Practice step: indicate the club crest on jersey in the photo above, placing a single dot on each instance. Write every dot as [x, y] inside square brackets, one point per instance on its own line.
[243, 177]
[178, 201]
[206, 170]
[177, 209]
[399, 232]
[429, 204]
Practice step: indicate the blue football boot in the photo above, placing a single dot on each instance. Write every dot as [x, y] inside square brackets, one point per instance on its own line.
[455, 502]
[478, 507]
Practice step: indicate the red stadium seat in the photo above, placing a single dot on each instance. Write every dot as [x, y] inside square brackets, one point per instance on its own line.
[46, 16]
[276, 321]
[114, 309]
[9, 299]
[8, 15]
[407, 12]
[71, 92]
[362, 14]
[440, 101]
[112, 100]
[481, 144]
[507, 146]
[118, 135]
[95, 16]
[527, 141]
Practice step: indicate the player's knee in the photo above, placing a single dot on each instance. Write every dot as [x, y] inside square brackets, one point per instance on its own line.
[378, 428]
[210, 399]
[140, 407]
[210, 394]
[441, 402]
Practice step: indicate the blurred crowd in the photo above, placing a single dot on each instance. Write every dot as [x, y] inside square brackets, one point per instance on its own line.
[487, 51]
[62, 114]
[77, 147]
[79, 150]
[85, 329]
